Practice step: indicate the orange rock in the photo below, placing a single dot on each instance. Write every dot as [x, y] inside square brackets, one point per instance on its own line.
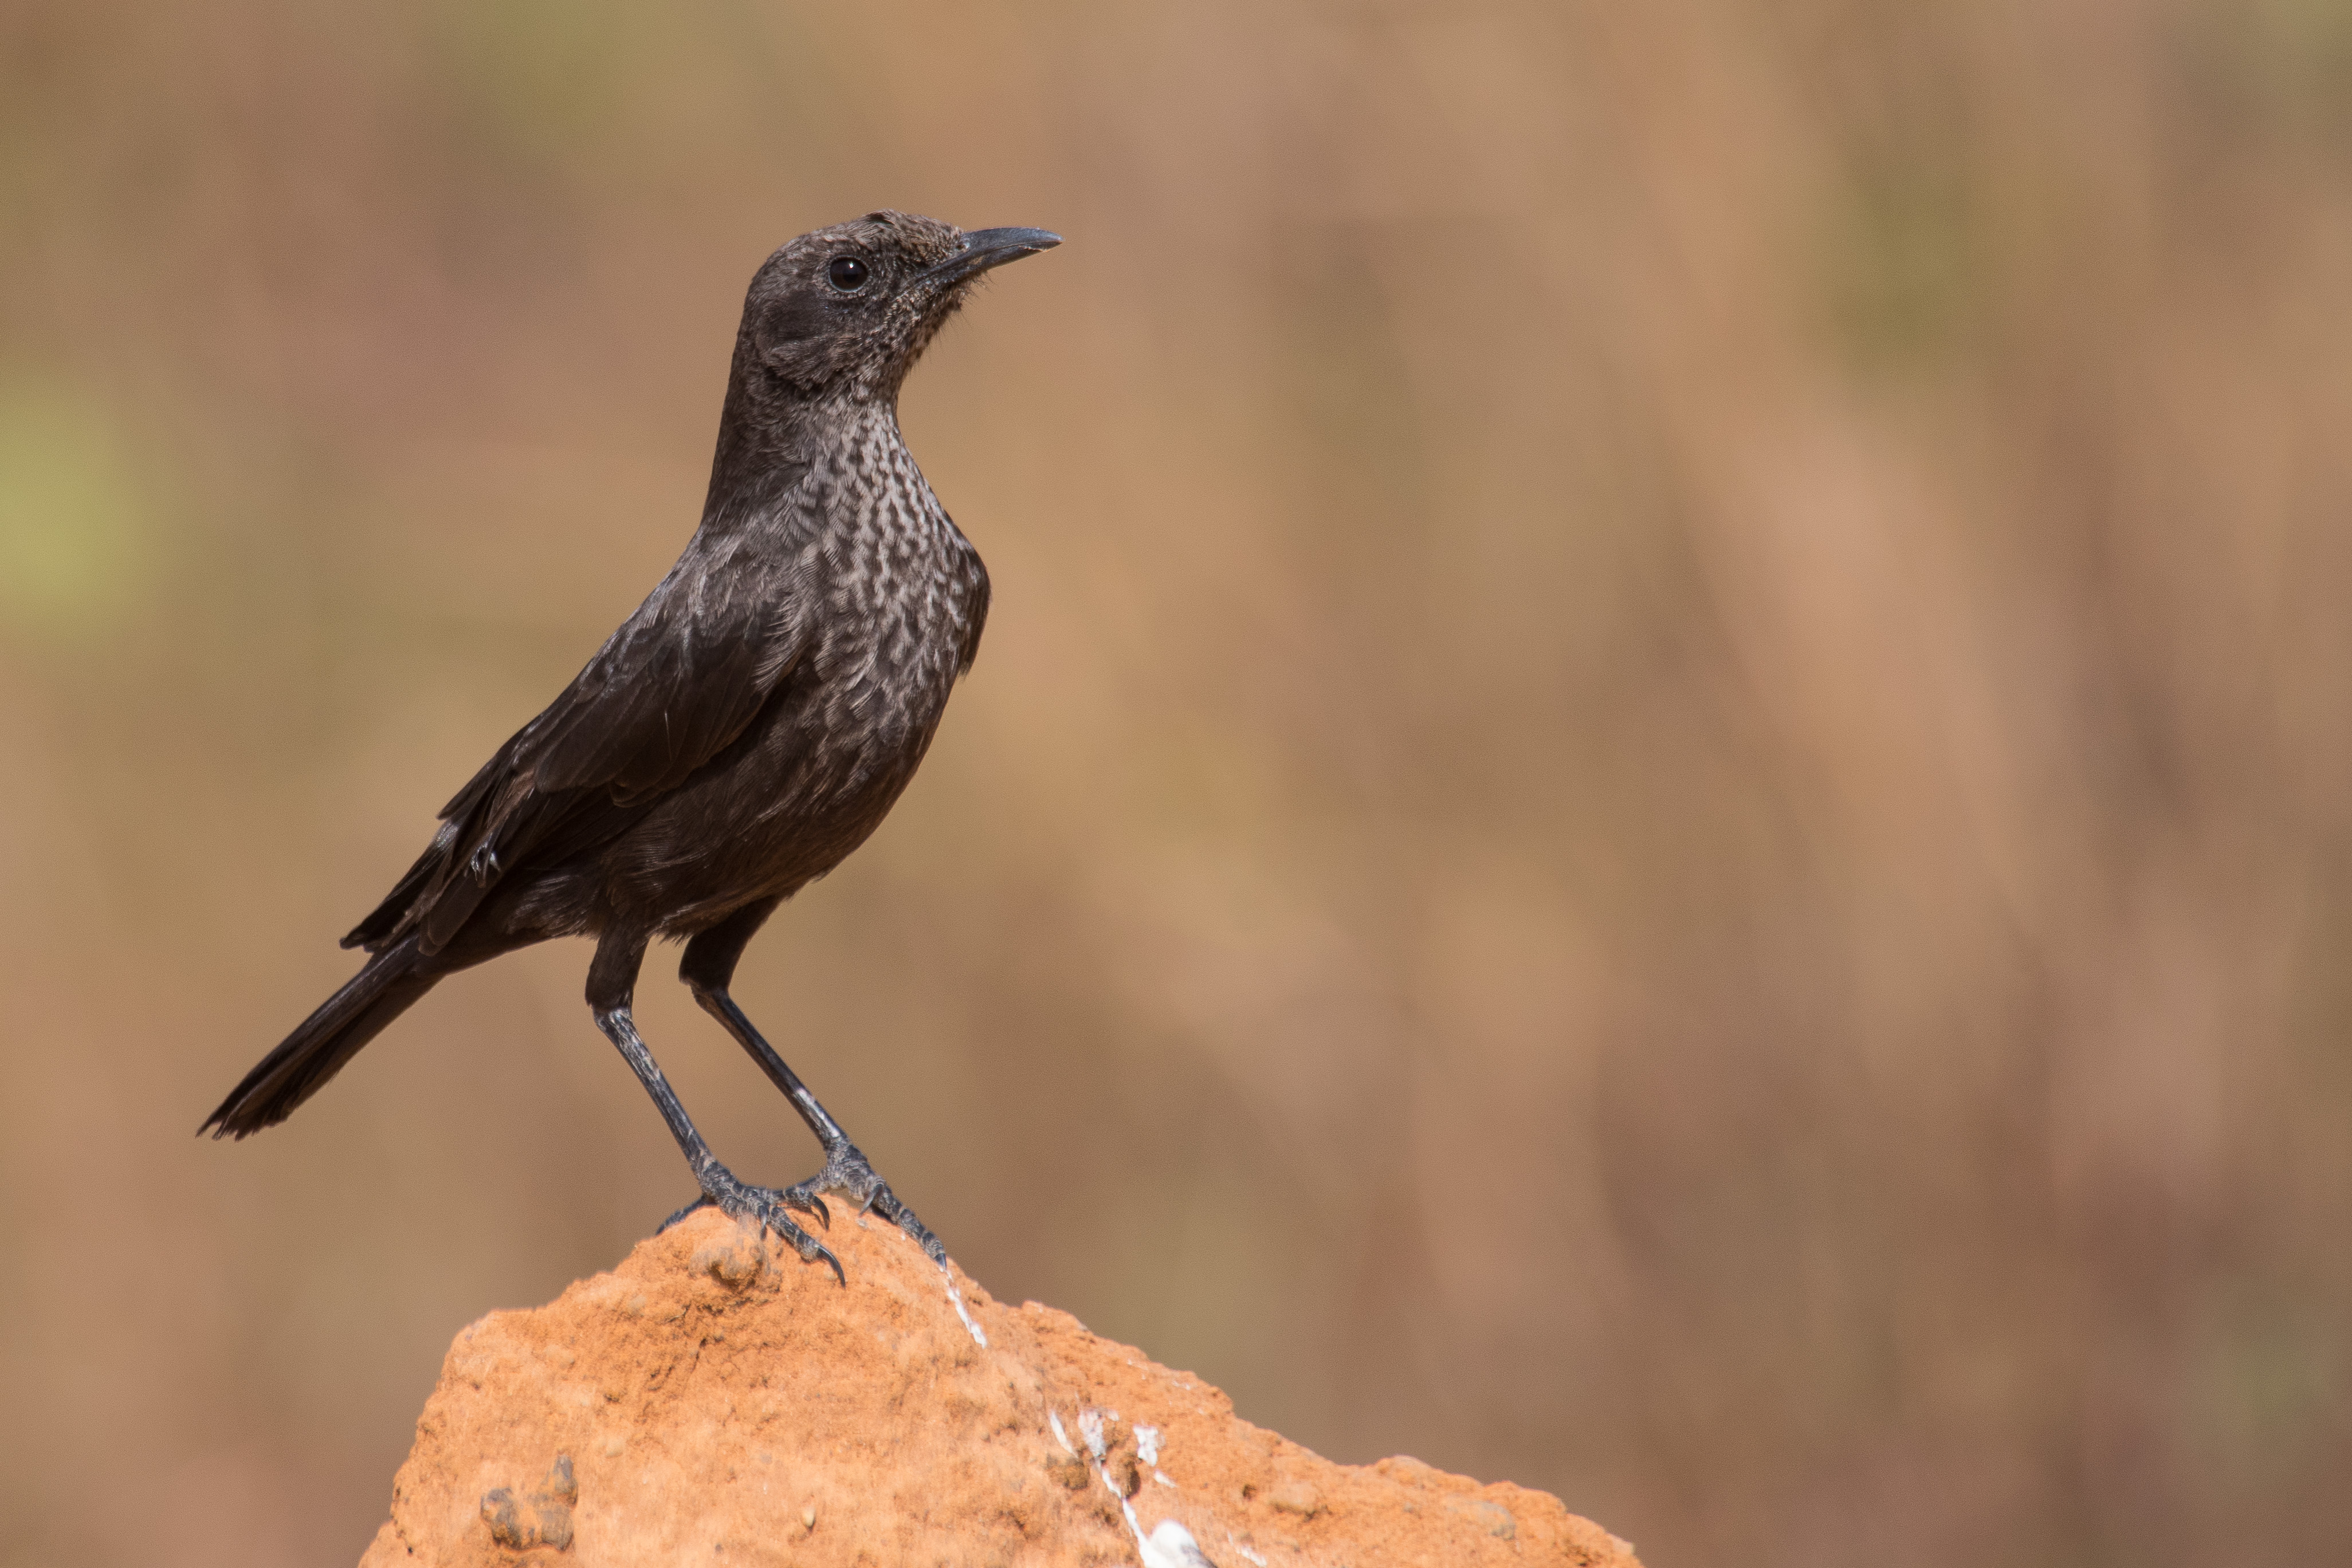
[713, 1400]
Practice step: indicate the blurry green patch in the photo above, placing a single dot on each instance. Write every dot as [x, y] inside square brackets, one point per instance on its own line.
[2287, 62]
[2272, 1391]
[553, 79]
[74, 540]
[1904, 262]
[544, 73]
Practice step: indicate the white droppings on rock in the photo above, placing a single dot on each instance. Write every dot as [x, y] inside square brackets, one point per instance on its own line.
[1173, 1546]
[1147, 1444]
[955, 1299]
[1090, 1427]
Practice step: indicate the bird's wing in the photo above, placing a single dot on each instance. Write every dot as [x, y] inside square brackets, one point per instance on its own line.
[680, 680]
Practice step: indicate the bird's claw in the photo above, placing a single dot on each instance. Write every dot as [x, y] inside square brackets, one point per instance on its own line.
[847, 1172]
[763, 1207]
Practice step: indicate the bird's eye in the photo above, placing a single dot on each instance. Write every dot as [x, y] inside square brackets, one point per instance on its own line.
[847, 274]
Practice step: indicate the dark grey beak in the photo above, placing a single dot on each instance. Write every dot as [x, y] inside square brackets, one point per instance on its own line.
[985, 248]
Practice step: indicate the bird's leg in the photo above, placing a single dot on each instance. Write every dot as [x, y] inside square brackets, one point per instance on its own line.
[707, 967]
[611, 985]
[846, 1170]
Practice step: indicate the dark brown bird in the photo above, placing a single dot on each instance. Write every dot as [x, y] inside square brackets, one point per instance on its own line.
[742, 731]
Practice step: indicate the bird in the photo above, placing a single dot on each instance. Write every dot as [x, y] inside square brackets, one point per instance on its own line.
[740, 734]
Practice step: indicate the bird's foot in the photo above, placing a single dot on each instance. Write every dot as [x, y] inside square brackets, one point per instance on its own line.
[847, 1173]
[764, 1207]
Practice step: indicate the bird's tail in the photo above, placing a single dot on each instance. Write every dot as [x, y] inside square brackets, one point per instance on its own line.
[328, 1037]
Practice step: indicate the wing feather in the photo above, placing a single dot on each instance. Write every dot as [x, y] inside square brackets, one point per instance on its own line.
[670, 690]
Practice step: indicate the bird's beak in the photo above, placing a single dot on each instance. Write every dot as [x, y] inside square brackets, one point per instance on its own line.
[985, 248]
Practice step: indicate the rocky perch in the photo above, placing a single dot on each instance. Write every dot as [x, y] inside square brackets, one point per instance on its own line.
[713, 1400]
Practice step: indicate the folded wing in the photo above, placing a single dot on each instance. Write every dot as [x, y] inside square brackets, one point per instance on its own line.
[678, 683]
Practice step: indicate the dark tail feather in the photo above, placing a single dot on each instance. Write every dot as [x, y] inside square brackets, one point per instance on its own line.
[328, 1037]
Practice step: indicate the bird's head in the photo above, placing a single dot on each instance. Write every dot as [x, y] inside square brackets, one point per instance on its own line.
[845, 311]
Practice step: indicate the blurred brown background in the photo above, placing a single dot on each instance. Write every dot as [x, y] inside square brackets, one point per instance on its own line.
[1720, 624]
